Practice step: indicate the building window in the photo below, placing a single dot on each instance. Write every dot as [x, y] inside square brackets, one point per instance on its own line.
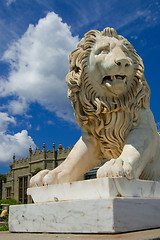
[21, 189]
[23, 184]
[8, 192]
[25, 189]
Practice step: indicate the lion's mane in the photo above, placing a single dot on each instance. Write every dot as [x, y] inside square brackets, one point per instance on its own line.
[102, 116]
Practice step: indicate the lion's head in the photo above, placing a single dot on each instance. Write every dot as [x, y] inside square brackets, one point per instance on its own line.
[106, 84]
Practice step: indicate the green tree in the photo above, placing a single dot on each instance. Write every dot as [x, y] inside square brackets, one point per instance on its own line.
[36, 171]
[3, 177]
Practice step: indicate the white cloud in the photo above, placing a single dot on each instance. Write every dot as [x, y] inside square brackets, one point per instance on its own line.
[9, 2]
[18, 143]
[39, 64]
[38, 128]
[17, 106]
[5, 120]
[50, 122]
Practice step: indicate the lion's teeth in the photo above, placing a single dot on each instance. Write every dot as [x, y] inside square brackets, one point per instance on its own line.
[110, 78]
[119, 77]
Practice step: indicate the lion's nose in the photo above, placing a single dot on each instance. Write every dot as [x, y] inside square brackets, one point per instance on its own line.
[123, 62]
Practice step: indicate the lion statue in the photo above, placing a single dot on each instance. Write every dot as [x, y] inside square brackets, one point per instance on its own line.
[110, 98]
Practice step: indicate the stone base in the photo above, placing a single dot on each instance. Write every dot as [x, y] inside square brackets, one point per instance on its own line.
[106, 205]
[110, 215]
[101, 188]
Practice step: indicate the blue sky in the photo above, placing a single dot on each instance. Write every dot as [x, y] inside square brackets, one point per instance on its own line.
[35, 40]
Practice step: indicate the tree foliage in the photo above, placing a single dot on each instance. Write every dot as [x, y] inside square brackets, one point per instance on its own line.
[36, 171]
[3, 177]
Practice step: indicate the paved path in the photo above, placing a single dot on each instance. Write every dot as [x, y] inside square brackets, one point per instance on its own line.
[140, 235]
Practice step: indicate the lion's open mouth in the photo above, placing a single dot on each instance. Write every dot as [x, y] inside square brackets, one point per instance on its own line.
[110, 78]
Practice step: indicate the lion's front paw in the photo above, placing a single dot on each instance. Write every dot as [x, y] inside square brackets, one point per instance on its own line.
[37, 180]
[44, 177]
[115, 168]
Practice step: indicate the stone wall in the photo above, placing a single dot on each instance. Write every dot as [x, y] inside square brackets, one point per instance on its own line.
[22, 170]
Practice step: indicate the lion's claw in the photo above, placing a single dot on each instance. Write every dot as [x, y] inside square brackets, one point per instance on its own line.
[115, 168]
[44, 178]
[128, 171]
[37, 180]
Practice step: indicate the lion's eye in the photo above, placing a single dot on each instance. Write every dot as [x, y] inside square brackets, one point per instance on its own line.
[105, 51]
[102, 51]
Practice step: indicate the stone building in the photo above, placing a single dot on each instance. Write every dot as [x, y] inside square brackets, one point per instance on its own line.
[21, 171]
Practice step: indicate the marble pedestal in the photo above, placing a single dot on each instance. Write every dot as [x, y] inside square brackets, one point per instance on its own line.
[100, 206]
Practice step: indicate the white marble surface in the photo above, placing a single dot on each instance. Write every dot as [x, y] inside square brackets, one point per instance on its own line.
[87, 216]
[102, 188]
